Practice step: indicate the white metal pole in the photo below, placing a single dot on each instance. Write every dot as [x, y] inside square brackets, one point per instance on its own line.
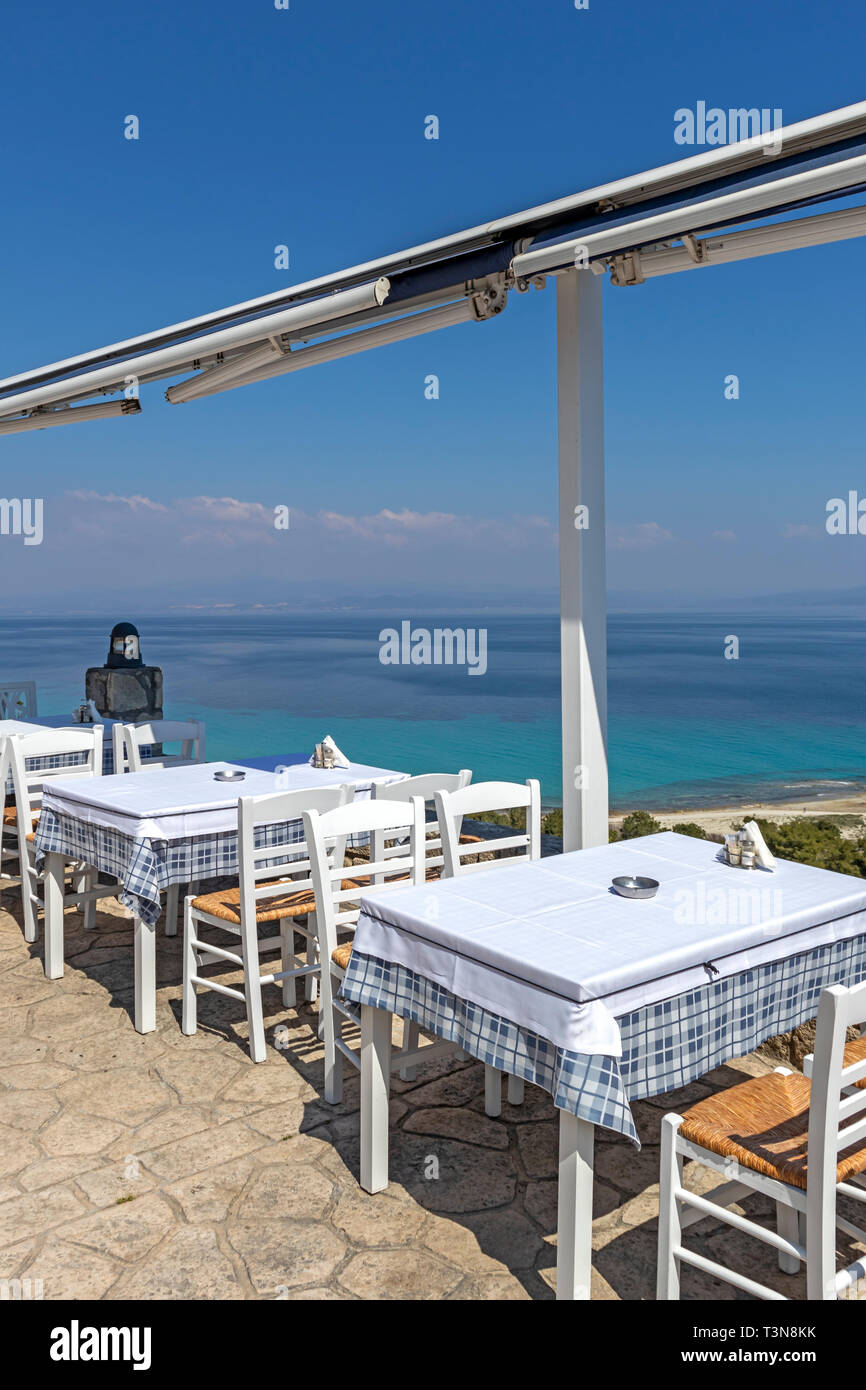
[583, 601]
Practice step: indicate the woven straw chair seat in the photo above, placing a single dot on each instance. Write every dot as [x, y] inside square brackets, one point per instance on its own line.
[226, 904]
[10, 816]
[341, 955]
[763, 1123]
[856, 1052]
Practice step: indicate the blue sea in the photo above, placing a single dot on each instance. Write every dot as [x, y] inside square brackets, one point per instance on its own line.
[687, 727]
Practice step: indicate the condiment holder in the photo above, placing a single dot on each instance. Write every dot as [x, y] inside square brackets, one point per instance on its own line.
[741, 850]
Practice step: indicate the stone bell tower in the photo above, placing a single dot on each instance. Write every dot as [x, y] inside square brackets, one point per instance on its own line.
[124, 688]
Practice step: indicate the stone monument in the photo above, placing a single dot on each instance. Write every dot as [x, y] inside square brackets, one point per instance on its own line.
[124, 688]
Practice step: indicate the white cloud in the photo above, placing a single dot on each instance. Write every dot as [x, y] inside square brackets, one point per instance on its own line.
[201, 544]
[639, 536]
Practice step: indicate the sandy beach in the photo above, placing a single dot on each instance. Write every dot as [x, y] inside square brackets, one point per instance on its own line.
[718, 820]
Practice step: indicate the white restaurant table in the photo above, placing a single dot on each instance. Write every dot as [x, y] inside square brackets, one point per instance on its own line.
[150, 829]
[540, 969]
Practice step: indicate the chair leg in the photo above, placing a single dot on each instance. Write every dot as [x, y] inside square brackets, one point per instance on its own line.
[29, 895]
[411, 1036]
[670, 1230]
[788, 1226]
[171, 895]
[311, 982]
[253, 991]
[190, 1010]
[330, 1020]
[288, 961]
[492, 1091]
[820, 1246]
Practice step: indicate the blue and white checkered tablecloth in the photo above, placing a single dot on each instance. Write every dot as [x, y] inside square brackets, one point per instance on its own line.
[146, 866]
[664, 1045]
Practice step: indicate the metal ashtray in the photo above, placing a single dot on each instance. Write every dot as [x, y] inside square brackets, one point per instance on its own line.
[233, 776]
[635, 887]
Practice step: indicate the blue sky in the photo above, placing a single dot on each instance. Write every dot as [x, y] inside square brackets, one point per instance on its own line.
[305, 127]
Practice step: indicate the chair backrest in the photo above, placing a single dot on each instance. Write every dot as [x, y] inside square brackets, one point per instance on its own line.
[17, 699]
[129, 739]
[451, 807]
[337, 907]
[284, 854]
[426, 786]
[52, 750]
[833, 1122]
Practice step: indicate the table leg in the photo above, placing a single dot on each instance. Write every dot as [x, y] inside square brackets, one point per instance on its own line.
[375, 1081]
[53, 885]
[145, 976]
[574, 1214]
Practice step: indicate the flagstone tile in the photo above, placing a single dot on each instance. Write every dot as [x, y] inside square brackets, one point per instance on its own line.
[127, 1094]
[78, 1015]
[17, 1149]
[69, 1271]
[201, 1151]
[196, 1078]
[296, 1191]
[56, 1170]
[399, 1274]
[27, 1110]
[210, 1197]
[173, 1123]
[283, 1255]
[125, 1232]
[74, 1133]
[190, 1265]
[114, 1183]
[379, 1220]
[33, 1213]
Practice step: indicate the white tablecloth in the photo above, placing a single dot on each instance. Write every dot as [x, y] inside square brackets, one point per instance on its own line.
[549, 945]
[172, 803]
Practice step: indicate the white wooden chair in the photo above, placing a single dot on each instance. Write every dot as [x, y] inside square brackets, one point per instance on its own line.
[17, 699]
[426, 786]
[18, 826]
[798, 1141]
[337, 911]
[482, 797]
[127, 743]
[129, 739]
[274, 886]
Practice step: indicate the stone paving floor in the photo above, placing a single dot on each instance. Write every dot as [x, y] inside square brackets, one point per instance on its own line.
[166, 1167]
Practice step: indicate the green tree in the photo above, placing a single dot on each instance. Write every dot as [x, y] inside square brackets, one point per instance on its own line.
[639, 823]
[690, 827]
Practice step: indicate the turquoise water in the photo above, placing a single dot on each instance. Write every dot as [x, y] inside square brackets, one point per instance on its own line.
[687, 727]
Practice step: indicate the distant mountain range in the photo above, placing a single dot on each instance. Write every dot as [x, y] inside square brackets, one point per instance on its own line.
[633, 601]
[318, 598]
